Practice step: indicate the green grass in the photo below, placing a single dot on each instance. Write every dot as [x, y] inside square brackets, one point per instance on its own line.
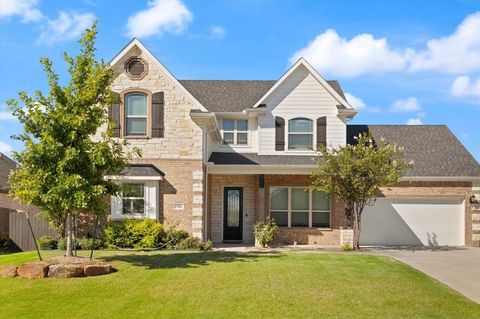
[231, 285]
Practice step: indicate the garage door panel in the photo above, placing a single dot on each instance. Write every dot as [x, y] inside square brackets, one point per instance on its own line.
[430, 222]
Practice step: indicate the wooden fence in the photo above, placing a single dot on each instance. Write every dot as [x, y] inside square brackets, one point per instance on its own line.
[20, 233]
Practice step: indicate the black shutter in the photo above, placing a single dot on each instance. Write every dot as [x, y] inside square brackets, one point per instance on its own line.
[279, 133]
[322, 130]
[114, 115]
[158, 104]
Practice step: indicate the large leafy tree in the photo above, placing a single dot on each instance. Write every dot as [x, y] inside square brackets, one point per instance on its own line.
[355, 173]
[66, 157]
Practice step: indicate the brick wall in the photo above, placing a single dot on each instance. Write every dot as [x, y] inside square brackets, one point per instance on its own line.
[216, 185]
[183, 184]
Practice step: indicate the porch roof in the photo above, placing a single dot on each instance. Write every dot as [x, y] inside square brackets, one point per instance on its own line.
[223, 158]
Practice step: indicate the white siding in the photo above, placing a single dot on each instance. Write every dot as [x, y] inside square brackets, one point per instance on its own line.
[300, 95]
[252, 147]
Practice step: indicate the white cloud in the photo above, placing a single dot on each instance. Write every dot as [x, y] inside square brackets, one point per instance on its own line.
[354, 101]
[331, 54]
[159, 17]
[414, 121]
[5, 148]
[5, 116]
[68, 26]
[334, 55]
[462, 87]
[455, 53]
[217, 32]
[26, 9]
[409, 104]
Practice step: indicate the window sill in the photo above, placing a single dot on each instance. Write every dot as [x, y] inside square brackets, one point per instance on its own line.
[310, 228]
[235, 145]
[136, 137]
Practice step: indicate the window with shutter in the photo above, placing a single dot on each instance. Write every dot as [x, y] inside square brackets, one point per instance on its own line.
[279, 133]
[158, 111]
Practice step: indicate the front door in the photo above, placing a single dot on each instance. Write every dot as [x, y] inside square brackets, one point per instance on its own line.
[233, 213]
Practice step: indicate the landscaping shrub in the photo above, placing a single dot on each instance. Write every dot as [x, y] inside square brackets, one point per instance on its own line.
[142, 234]
[265, 232]
[347, 247]
[4, 241]
[206, 245]
[85, 243]
[47, 243]
[62, 244]
[174, 237]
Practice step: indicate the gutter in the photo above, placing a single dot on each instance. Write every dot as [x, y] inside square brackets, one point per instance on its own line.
[440, 178]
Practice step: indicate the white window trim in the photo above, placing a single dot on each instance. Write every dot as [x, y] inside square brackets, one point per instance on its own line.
[235, 131]
[310, 208]
[287, 134]
[136, 116]
[151, 200]
[142, 198]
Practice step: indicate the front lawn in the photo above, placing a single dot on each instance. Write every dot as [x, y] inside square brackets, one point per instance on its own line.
[232, 285]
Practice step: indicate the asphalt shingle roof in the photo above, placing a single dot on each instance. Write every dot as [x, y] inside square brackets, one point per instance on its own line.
[433, 148]
[141, 170]
[233, 95]
[223, 158]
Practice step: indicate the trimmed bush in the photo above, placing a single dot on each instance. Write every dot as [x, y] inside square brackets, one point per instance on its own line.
[265, 232]
[174, 237]
[132, 233]
[47, 243]
[85, 243]
[4, 241]
[62, 244]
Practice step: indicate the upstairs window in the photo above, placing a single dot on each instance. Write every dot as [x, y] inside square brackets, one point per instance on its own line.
[136, 114]
[235, 132]
[300, 134]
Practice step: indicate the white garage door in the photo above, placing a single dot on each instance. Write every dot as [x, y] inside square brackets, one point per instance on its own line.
[428, 222]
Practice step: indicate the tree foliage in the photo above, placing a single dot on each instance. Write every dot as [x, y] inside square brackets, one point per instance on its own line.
[354, 173]
[65, 157]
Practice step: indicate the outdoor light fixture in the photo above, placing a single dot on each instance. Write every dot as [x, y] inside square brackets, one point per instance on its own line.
[474, 200]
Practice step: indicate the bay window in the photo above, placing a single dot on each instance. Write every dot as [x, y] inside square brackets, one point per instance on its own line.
[300, 134]
[235, 132]
[298, 207]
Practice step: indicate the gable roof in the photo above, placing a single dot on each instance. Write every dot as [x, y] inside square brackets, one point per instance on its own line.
[303, 63]
[234, 95]
[136, 43]
[434, 149]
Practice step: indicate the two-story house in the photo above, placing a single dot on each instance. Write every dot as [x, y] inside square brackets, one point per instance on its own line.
[218, 156]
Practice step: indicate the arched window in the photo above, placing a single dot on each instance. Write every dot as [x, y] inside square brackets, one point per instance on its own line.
[300, 134]
[136, 114]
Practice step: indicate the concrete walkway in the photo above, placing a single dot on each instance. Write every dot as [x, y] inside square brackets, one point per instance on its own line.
[458, 268]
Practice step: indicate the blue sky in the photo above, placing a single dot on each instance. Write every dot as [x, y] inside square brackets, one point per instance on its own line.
[399, 61]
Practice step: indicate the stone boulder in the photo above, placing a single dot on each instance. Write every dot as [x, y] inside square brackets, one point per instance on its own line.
[65, 271]
[8, 271]
[33, 270]
[97, 270]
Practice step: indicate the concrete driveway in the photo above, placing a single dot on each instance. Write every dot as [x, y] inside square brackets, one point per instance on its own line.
[458, 268]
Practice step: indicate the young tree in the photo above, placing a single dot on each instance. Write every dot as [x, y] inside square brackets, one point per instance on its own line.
[62, 166]
[354, 174]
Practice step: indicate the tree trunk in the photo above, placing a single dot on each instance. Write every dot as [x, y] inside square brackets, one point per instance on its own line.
[357, 213]
[68, 231]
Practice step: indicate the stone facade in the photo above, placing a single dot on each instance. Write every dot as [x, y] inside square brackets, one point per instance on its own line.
[462, 190]
[183, 137]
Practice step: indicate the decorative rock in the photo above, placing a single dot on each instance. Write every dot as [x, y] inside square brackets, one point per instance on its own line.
[33, 270]
[97, 270]
[65, 271]
[8, 271]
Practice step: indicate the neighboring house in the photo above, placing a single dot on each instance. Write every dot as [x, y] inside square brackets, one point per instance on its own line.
[219, 156]
[12, 214]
